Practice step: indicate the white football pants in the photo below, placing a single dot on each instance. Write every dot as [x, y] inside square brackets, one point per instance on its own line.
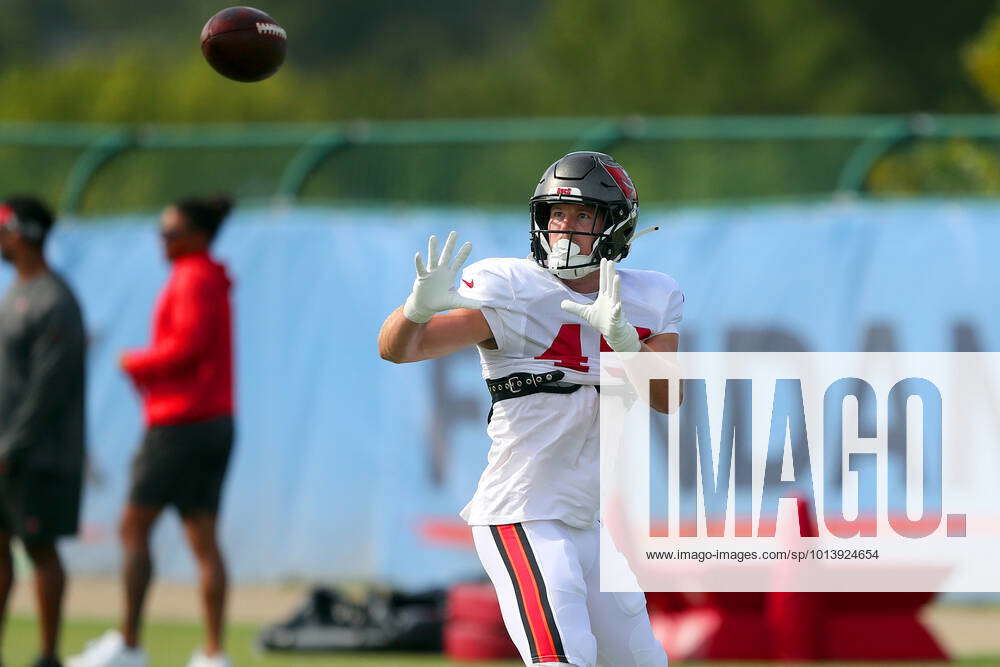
[547, 579]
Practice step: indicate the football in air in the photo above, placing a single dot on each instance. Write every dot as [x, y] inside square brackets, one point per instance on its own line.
[243, 44]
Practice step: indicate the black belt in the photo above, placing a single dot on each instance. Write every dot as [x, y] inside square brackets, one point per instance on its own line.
[516, 385]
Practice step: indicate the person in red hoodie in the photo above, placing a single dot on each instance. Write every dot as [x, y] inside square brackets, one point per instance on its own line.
[185, 378]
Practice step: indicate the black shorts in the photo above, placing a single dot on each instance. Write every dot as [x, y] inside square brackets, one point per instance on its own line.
[183, 465]
[39, 506]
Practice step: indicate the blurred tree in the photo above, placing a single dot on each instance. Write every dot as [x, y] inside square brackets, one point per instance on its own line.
[952, 167]
[956, 166]
[323, 32]
[982, 60]
[787, 56]
[919, 44]
[383, 58]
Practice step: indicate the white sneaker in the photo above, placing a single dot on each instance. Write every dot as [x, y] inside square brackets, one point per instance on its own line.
[109, 650]
[199, 659]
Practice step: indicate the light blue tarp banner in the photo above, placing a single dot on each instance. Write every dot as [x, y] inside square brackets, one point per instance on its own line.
[351, 468]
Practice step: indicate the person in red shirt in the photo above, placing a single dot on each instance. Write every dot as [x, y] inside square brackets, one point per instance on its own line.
[185, 378]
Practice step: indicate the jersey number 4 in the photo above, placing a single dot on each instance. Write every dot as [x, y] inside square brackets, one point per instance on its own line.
[567, 348]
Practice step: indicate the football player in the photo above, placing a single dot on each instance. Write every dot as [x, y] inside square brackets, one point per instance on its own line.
[540, 324]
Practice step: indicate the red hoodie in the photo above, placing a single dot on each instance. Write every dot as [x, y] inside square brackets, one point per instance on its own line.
[186, 375]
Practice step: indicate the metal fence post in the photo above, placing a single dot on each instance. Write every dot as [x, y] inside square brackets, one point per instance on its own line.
[854, 173]
[308, 160]
[102, 151]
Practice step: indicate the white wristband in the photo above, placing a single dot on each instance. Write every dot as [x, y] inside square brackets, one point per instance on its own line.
[414, 314]
[626, 343]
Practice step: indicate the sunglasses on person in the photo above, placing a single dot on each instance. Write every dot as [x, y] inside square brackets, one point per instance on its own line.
[173, 234]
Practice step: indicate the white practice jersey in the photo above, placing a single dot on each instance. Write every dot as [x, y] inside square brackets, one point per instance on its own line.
[544, 459]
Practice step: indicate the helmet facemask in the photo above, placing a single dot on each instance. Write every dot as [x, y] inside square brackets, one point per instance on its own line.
[611, 230]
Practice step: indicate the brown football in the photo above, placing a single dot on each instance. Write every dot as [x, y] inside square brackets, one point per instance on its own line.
[243, 44]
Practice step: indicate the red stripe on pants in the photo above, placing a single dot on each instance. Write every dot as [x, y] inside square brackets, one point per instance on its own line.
[530, 595]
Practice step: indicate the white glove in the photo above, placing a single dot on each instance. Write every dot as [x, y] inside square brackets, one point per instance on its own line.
[605, 314]
[434, 288]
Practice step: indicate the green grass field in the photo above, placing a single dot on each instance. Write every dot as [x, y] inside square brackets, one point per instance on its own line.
[171, 644]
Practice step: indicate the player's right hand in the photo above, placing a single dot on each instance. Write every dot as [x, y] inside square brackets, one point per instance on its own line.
[434, 288]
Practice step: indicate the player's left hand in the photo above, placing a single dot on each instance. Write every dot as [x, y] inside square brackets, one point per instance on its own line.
[605, 314]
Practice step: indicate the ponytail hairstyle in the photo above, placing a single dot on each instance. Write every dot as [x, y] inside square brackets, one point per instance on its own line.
[205, 214]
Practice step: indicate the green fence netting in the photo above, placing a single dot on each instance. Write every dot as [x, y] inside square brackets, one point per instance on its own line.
[101, 169]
